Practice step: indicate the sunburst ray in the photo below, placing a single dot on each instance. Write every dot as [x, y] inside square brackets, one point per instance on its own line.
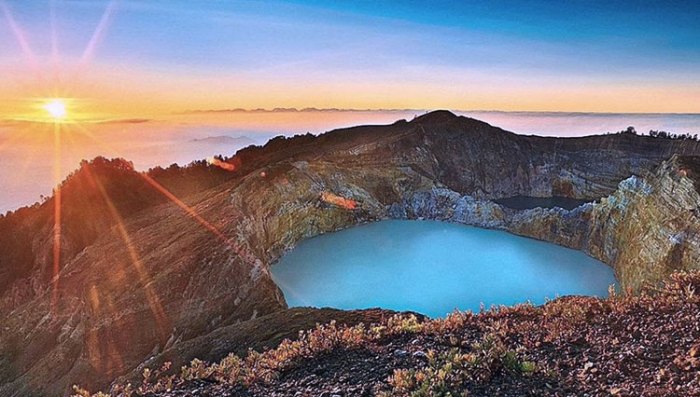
[27, 52]
[56, 257]
[191, 212]
[161, 318]
[97, 35]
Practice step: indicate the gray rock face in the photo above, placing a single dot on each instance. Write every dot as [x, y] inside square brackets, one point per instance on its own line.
[155, 278]
[646, 229]
[447, 205]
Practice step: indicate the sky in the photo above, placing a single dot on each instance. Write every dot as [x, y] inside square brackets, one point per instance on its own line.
[158, 82]
[124, 59]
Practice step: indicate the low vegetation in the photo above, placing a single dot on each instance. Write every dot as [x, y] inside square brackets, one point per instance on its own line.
[662, 134]
[624, 345]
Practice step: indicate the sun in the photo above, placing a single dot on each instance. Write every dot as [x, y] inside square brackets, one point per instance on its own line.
[56, 109]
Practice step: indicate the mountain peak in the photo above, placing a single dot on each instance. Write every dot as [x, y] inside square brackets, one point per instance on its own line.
[435, 117]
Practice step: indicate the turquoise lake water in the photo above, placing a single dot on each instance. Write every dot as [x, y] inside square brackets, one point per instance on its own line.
[433, 268]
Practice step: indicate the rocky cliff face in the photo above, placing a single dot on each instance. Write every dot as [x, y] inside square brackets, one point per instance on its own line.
[155, 274]
[646, 229]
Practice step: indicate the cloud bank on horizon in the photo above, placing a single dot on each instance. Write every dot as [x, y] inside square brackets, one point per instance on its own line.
[133, 59]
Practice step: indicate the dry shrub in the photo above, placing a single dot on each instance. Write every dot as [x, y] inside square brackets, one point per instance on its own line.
[447, 372]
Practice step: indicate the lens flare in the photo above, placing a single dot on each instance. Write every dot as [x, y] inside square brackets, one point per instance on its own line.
[221, 164]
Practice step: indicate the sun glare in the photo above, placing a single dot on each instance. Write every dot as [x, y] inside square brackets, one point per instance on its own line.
[56, 109]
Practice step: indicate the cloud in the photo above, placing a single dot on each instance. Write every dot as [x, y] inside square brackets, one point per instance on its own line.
[11, 123]
[122, 121]
[27, 122]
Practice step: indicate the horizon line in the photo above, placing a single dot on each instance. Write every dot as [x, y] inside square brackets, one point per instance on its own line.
[359, 110]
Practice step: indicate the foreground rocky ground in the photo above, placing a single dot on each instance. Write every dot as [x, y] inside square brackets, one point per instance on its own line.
[620, 346]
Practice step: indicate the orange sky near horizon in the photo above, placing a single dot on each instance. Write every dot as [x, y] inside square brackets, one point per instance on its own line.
[109, 92]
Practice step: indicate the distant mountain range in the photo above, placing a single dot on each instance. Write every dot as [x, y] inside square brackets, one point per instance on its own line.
[295, 110]
[420, 111]
[225, 140]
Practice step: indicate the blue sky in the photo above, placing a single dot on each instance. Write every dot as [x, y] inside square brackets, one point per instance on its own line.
[495, 53]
